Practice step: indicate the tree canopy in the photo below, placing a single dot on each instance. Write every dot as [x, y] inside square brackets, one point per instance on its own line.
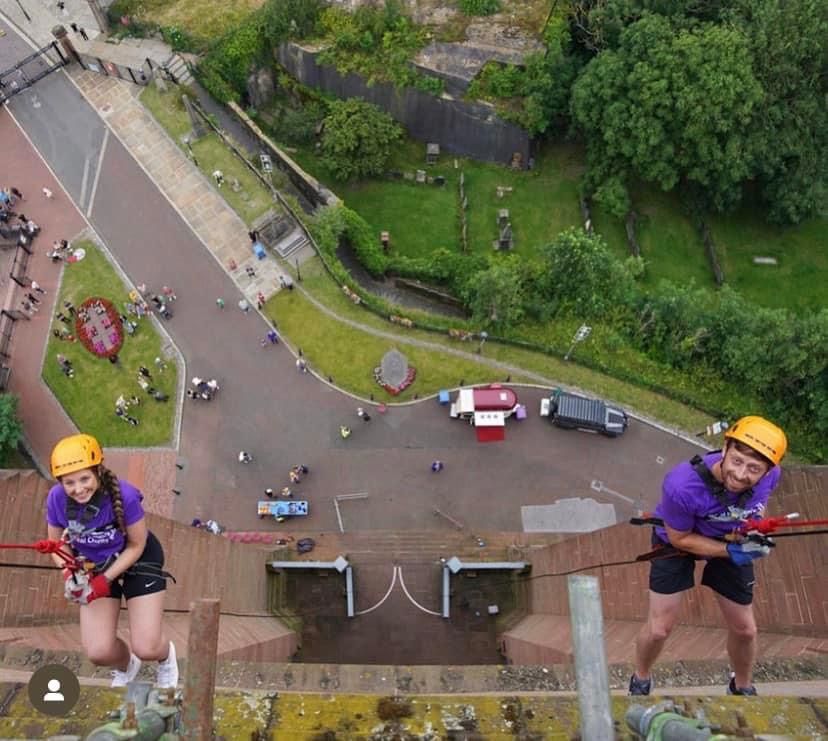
[357, 138]
[11, 429]
[671, 105]
[714, 95]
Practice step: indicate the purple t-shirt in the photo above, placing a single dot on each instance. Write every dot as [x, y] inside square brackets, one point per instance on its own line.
[97, 542]
[689, 506]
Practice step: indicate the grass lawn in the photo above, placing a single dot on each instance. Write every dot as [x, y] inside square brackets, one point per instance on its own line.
[203, 19]
[544, 201]
[422, 218]
[253, 199]
[89, 397]
[349, 355]
[329, 360]
[798, 280]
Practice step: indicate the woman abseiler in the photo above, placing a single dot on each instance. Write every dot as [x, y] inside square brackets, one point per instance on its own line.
[101, 520]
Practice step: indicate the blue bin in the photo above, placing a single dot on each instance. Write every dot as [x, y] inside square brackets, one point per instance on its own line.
[443, 397]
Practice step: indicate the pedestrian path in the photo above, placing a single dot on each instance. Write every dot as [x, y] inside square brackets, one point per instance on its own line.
[37, 19]
[218, 227]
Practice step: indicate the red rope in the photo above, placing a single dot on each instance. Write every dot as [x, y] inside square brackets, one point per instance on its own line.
[46, 547]
[769, 525]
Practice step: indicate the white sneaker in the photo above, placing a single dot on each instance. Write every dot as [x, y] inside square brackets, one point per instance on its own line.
[122, 679]
[167, 672]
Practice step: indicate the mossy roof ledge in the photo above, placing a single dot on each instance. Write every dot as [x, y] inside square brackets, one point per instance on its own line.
[242, 714]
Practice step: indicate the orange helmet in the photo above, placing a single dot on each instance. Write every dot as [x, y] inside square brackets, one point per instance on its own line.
[763, 436]
[74, 453]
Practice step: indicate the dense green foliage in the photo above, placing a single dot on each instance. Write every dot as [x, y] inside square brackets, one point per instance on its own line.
[778, 360]
[283, 19]
[479, 7]
[496, 296]
[789, 133]
[377, 43]
[225, 69]
[11, 428]
[709, 94]
[536, 94]
[671, 105]
[357, 138]
[230, 60]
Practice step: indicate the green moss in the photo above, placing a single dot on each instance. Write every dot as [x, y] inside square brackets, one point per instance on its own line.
[295, 716]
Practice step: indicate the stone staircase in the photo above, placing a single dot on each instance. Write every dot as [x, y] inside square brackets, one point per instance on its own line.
[411, 546]
[177, 67]
[291, 244]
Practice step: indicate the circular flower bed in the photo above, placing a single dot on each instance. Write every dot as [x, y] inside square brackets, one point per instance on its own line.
[98, 326]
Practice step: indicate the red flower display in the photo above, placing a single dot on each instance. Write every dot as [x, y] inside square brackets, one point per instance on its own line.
[98, 327]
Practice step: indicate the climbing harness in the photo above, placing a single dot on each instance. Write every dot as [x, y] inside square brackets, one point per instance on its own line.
[716, 488]
[77, 587]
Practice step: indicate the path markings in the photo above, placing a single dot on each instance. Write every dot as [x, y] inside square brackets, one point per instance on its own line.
[601, 488]
[397, 573]
[344, 498]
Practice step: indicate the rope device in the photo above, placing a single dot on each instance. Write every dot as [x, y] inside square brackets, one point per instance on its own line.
[77, 586]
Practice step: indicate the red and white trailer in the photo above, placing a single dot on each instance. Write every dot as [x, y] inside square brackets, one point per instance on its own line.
[492, 398]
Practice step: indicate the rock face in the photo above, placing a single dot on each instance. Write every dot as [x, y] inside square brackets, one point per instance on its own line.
[260, 87]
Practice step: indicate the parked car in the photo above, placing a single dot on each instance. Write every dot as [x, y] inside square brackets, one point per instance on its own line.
[571, 411]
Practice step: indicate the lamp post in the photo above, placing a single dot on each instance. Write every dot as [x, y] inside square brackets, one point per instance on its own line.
[580, 336]
[483, 337]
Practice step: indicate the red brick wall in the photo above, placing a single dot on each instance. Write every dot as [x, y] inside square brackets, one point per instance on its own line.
[203, 564]
[792, 584]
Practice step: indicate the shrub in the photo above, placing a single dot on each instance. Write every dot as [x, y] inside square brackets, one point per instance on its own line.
[479, 7]
[357, 139]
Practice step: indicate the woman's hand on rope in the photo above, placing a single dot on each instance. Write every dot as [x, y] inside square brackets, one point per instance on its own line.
[99, 585]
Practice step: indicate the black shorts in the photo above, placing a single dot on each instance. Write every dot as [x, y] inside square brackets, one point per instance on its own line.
[672, 575]
[144, 576]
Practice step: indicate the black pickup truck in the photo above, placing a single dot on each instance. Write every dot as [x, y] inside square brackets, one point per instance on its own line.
[571, 411]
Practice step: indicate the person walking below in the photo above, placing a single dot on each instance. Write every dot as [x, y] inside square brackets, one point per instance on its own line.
[35, 286]
[344, 431]
[437, 466]
[704, 502]
[363, 414]
[100, 520]
[65, 366]
[245, 457]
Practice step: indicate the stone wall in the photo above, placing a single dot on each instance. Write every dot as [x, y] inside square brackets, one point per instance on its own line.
[459, 127]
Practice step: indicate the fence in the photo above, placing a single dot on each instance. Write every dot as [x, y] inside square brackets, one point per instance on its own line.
[8, 315]
[140, 75]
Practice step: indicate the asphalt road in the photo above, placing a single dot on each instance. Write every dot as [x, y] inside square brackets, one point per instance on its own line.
[283, 417]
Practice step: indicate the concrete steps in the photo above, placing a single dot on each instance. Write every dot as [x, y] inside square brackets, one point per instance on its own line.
[178, 68]
[291, 244]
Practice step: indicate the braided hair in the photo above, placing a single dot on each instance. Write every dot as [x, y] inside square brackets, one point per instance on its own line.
[110, 485]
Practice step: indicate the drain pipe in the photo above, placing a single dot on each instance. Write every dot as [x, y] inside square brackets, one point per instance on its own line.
[667, 725]
[591, 670]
